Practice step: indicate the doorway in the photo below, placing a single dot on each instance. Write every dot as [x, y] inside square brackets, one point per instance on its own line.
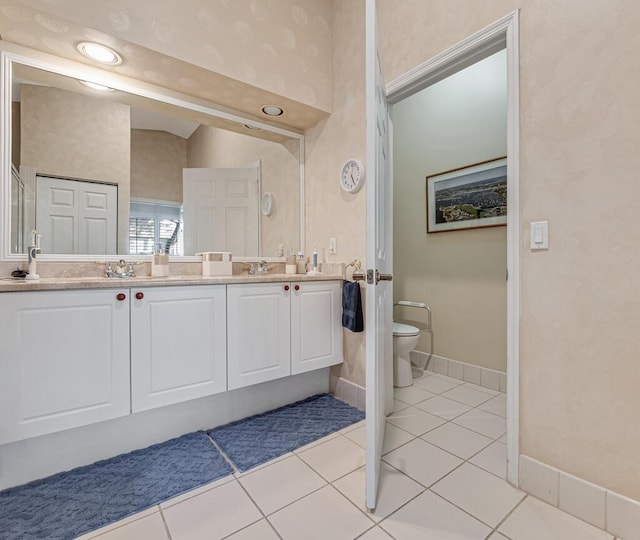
[501, 36]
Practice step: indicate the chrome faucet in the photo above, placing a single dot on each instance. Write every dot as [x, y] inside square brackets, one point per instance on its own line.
[122, 270]
[262, 268]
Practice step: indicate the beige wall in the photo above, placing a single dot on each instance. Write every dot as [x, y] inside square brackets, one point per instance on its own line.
[580, 119]
[331, 211]
[75, 136]
[280, 169]
[157, 160]
[461, 274]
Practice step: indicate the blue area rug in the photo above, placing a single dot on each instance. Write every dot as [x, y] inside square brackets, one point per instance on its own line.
[71, 503]
[258, 439]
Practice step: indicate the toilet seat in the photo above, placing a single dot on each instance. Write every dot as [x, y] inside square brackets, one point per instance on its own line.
[400, 329]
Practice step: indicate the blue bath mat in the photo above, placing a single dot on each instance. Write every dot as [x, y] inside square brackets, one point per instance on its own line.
[71, 503]
[257, 439]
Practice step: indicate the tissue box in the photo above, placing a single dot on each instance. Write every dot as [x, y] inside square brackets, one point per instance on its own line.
[216, 263]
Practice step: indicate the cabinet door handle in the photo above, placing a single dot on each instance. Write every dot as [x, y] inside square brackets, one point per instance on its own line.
[139, 295]
[121, 296]
[286, 287]
[297, 287]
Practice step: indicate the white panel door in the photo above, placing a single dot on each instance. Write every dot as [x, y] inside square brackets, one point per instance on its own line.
[316, 325]
[178, 344]
[379, 295]
[64, 360]
[220, 210]
[258, 333]
[76, 217]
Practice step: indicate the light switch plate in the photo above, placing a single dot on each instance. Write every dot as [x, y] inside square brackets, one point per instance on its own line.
[539, 235]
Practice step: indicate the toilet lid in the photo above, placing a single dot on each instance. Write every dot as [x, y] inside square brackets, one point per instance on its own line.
[400, 329]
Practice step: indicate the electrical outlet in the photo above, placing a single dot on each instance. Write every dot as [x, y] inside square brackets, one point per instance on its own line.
[333, 245]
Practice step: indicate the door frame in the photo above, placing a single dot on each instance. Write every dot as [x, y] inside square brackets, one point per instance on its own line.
[502, 34]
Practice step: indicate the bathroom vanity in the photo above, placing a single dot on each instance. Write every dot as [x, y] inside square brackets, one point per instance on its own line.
[79, 353]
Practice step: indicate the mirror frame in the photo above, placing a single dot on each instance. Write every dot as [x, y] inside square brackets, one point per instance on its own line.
[10, 54]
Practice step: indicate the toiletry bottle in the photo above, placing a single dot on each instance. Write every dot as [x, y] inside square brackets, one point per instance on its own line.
[315, 260]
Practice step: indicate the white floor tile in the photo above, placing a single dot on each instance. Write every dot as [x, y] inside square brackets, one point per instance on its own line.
[497, 405]
[316, 443]
[444, 377]
[497, 536]
[436, 384]
[258, 531]
[483, 422]
[286, 481]
[322, 515]
[335, 458]
[120, 523]
[493, 459]
[212, 515]
[393, 437]
[398, 405]
[422, 461]
[394, 490]
[480, 493]
[357, 425]
[534, 520]
[196, 492]
[443, 407]
[428, 517]
[411, 394]
[484, 389]
[150, 526]
[467, 395]
[358, 436]
[375, 534]
[583, 500]
[460, 441]
[623, 516]
[415, 421]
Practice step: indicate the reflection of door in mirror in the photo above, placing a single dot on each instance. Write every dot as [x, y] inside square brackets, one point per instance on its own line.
[76, 217]
[221, 210]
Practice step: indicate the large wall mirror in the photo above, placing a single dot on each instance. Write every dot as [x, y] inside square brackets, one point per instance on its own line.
[114, 172]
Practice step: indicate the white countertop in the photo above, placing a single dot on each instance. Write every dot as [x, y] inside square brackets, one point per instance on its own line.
[52, 284]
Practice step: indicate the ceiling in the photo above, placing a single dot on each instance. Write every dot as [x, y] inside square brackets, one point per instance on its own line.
[36, 28]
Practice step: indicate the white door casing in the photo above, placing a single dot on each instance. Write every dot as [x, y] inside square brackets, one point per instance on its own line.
[220, 210]
[379, 296]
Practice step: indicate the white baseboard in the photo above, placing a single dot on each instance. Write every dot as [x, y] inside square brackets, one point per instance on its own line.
[38, 457]
[351, 393]
[489, 378]
[603, 508]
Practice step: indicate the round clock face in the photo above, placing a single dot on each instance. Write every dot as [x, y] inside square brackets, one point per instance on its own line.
[267, 204]
[352, 175]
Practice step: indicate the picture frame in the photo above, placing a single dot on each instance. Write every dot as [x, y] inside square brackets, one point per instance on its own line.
[470, 197]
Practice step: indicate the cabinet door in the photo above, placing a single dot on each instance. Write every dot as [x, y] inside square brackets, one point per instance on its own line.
[178, 344]
[258, 333]
[64, 360]
[316, 325]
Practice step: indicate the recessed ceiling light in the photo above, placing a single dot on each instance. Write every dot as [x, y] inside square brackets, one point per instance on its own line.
[252, 127]
[96, 86]
[272, 110]
[99, 53]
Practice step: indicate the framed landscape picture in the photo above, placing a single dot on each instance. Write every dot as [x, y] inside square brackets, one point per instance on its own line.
[468, 198]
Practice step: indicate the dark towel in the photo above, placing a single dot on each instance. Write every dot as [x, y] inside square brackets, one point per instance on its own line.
[352, 306]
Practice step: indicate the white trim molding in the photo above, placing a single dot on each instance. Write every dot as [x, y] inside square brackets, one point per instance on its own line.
[502, 34]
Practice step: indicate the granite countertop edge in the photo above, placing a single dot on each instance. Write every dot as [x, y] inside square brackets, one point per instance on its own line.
[62, 283]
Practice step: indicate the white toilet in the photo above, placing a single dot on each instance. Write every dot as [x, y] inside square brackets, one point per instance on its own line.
[405, 339]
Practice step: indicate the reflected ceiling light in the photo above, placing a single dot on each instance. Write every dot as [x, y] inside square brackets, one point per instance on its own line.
[272, 110]
[252, 127]
[96, 86]
[99, 53]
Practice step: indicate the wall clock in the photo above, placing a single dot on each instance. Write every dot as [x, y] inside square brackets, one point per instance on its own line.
[352, 175]
[267, 203]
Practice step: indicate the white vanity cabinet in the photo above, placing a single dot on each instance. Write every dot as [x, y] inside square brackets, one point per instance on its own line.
[64, 360]
[316, 325]
[258, 333]
[280, 329]
[178, 344]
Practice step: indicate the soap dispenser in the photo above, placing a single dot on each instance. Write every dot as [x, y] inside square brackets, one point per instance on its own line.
[160, 263]
[32, 251]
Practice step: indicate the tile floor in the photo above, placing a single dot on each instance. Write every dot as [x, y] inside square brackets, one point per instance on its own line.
[442, 478]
